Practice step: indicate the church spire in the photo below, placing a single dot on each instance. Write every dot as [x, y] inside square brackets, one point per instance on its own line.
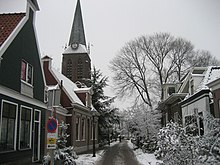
[77, 32]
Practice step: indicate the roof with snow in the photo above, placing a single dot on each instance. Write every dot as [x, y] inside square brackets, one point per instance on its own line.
[81, 49]
[68, 86]
[212, 73]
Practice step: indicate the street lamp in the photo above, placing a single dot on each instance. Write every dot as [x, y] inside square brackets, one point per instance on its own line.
[93, 122]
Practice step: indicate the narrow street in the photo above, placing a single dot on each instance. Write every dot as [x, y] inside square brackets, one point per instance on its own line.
[119, 154]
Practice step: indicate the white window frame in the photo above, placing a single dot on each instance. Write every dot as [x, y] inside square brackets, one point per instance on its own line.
[30, 128]
[39, 136]
[46, 94]
[16, 120]
[26, 74]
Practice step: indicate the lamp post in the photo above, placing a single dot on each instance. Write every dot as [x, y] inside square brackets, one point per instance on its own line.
[93, 122]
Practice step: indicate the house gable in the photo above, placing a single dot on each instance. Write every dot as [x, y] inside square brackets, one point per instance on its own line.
[20, 45]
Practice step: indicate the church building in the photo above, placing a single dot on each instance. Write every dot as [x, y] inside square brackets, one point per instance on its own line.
[76, 63]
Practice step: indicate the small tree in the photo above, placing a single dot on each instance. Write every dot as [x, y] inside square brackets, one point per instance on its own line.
[103, 104]
[62, 153]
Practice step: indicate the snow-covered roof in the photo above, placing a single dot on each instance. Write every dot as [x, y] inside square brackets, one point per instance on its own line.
[81, 49]
[80, 90]
[68, 85]
[212, 73]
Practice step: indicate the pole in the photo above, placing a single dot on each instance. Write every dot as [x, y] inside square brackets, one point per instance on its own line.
[93, 119]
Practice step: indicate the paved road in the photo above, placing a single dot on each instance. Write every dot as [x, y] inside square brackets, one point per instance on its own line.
[119, 154]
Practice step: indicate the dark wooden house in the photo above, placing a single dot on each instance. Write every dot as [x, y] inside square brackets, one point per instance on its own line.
[22, 89]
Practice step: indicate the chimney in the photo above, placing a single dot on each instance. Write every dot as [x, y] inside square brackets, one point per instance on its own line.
[47, 61]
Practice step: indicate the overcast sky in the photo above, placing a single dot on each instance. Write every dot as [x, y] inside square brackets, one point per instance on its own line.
[110, 23]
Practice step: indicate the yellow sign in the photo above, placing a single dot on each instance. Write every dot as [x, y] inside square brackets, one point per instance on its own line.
[51, 141]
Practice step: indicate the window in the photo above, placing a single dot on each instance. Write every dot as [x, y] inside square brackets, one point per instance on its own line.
[54, 96]
[191, 125]
[25, 128]
[69, 69]
[8, 126]
[46, 94]
[77, 128]
[26, 72]
[171, 90]
[83, 129]
[80, 69]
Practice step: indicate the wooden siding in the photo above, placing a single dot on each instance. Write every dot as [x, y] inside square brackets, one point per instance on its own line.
[23, 47]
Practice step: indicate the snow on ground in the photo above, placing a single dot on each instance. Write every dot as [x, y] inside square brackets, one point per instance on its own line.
[87, 159]
[143, 158]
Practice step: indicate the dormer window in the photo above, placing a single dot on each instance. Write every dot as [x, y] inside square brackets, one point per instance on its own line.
[26, 79]
[54, 96]
[26, 72]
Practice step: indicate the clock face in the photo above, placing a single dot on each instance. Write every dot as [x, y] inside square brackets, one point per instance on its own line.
[74, 46]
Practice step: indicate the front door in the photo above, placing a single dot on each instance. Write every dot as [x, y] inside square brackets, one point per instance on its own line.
[36, 135]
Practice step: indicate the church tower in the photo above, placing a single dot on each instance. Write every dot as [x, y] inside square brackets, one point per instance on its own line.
[76, 63]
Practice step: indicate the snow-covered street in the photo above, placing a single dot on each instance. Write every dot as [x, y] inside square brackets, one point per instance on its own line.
[118, 154]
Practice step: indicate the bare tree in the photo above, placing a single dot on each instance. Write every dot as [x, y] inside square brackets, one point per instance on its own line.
[203, 58]
[158, 49]
[143, 65]
[130, 67]
[182, 51]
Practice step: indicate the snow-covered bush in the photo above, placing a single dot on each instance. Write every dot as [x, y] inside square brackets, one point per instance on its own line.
[209, 144]
[175, 146]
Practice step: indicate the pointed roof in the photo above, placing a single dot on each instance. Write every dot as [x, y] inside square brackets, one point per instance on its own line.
[77, 32]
